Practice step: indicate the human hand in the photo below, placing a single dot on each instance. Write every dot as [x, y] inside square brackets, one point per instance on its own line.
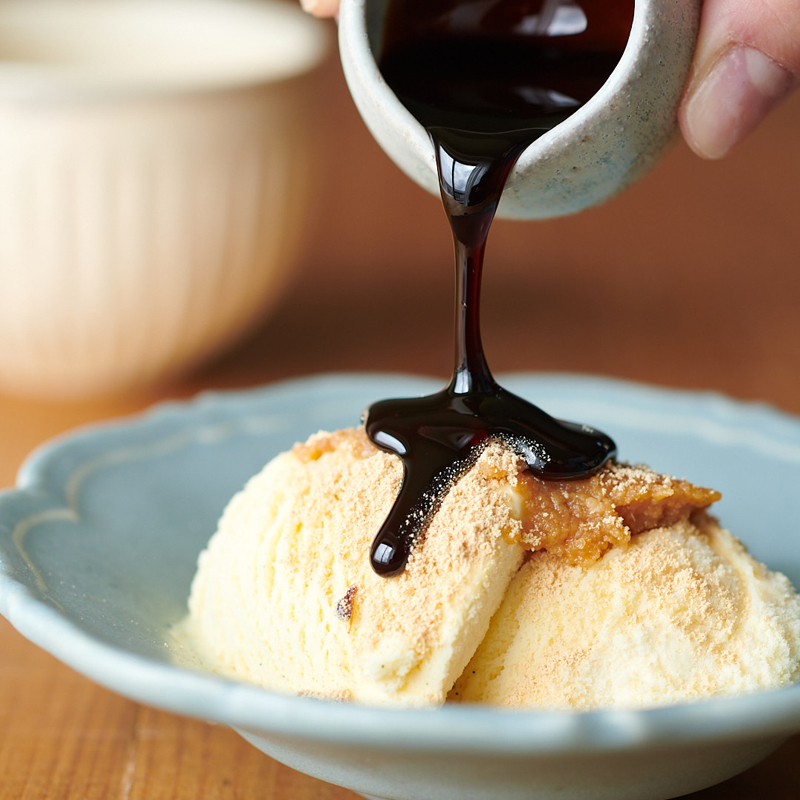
[747, 60]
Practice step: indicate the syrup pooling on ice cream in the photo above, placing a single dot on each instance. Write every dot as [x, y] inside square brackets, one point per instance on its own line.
[438, 437]
[516, 582]
[485, 80]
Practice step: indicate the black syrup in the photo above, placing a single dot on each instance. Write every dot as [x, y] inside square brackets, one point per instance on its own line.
[485, 78]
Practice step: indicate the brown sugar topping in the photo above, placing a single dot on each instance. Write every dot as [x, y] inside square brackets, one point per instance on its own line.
[579, 520]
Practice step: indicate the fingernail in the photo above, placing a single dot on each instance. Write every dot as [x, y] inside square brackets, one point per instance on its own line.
[740, 89]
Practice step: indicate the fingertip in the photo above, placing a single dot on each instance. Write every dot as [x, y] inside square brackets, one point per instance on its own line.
[321, 8]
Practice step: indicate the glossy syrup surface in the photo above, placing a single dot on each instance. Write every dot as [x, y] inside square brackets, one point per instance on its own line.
[485, 78]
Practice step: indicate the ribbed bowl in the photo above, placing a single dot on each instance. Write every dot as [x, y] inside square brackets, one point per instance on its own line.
[153, 193]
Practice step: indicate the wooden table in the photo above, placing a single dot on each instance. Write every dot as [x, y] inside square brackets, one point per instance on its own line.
[689, 280]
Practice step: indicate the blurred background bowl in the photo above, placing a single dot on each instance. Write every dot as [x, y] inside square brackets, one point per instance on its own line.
[155, 161]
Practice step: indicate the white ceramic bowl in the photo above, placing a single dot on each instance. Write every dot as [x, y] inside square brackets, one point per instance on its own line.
[609, 143]
[154, 185]
[98, 547]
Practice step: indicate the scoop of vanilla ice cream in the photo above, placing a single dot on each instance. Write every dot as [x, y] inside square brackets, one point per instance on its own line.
[285, 596]
[681, 613]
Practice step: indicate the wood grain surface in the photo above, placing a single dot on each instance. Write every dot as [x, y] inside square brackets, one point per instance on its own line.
[689, 280]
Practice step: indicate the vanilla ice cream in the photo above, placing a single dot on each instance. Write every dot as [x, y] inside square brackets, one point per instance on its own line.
[613, 591]
[681, 613]
[285, 595]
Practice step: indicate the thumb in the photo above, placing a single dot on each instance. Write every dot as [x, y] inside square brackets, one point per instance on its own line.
[747, 60]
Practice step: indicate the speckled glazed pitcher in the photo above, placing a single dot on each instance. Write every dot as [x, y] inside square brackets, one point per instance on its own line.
[606, 145]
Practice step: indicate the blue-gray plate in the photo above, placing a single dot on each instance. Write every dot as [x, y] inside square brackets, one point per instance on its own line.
[98, 546]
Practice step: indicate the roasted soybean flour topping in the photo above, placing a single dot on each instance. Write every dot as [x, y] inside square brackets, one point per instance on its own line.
[485, 78]
[617, 590]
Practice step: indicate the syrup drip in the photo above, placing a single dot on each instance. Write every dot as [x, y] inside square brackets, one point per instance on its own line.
[485, 78]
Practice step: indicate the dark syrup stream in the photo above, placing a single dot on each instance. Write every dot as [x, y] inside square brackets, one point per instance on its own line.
[485, 78]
